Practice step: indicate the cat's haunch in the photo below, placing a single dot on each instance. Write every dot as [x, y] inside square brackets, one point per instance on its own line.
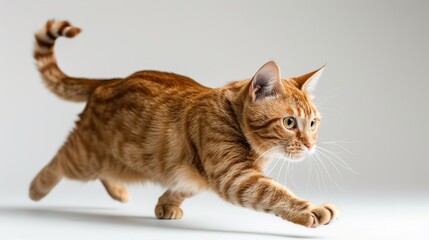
[168, 129]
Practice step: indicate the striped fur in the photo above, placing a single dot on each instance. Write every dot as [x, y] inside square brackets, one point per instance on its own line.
[68, 88]
[168, 129]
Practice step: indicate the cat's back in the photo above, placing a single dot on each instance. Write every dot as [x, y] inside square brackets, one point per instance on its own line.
[166, 79]
[148, 84]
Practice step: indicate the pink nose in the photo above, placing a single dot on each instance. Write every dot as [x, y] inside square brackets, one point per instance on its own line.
[308, 145]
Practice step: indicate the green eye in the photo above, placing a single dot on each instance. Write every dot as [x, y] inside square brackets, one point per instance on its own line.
[289, 122]
[313, 125]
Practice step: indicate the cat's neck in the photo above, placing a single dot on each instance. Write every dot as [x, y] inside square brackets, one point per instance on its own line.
[236, 93]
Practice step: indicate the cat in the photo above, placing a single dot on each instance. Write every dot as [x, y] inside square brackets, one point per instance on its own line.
[168, 129]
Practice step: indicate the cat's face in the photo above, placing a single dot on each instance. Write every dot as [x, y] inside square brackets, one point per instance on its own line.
[280, 119]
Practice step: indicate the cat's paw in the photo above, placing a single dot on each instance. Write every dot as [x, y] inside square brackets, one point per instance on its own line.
[35, 194]
[116, 190]
[323, 215]
[316, 216]
[168, 211]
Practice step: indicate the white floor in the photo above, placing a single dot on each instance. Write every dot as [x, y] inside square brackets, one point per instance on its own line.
[90, 214]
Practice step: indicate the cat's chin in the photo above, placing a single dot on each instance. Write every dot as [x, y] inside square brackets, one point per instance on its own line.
[280, 155]
[301, 156]
[296, 158]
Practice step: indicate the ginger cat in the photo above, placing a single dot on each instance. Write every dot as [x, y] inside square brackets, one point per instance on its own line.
[168, 129]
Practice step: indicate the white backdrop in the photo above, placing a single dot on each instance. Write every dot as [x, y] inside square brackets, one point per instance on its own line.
[373, 95]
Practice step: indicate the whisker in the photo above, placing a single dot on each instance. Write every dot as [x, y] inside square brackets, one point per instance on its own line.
[293, 175]
[264, 153]
[341, 163]
[329, 91]
[321, 176]
[337, 142]
[329, 175]
[289, 168]
[325, 97]
[277, 161]
[332, 163]
[309, 172]
[317, 174]
[324, 101]
[338, 145]
[344, 164]
[278, 175]
[287, 171]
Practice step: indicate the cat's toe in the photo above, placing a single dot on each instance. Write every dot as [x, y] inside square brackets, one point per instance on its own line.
[322, 214]
[333, 210]
[314, 222]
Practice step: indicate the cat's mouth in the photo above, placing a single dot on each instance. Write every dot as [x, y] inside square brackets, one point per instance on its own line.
[293, 155]
[299, 155]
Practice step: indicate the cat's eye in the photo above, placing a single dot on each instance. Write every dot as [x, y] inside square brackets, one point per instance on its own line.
[289, 122]
[313, 125]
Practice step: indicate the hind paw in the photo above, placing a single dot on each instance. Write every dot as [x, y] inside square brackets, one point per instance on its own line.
[115, 190]
[35, 194]
[168, 211]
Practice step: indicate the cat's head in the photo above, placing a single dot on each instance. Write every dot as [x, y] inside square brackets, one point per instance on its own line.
[279, 117]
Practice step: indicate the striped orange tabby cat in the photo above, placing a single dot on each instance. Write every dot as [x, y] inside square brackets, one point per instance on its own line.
[168, 129]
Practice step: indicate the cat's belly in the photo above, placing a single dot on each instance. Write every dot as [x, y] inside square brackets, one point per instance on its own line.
[183, 179]
[186, 180]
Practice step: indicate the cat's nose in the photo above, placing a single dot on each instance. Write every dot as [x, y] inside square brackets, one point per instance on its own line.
[308, 145]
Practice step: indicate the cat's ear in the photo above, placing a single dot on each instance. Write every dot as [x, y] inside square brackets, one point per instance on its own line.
[266, 82]
[308, 82]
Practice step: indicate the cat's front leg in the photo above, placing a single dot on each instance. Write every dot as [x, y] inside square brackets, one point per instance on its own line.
[248, 187]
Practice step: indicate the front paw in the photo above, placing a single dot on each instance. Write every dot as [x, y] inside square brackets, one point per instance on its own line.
[316, 216]
[323, 215]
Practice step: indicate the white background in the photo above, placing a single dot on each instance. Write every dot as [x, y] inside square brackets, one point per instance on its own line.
[373, 98]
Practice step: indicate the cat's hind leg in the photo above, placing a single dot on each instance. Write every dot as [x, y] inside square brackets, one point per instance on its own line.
[115, 189]
[168, 206]
[75, 160]
[47, 178]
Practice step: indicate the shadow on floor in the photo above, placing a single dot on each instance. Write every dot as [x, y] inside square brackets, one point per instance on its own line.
[99, 215]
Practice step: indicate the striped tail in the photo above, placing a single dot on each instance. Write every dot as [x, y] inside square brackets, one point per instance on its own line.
[68, 88]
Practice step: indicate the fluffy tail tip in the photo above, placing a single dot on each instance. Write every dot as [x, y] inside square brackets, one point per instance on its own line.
[56, 28]
[71, 31]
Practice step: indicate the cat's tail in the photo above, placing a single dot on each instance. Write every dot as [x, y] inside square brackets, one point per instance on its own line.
[68, 88]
